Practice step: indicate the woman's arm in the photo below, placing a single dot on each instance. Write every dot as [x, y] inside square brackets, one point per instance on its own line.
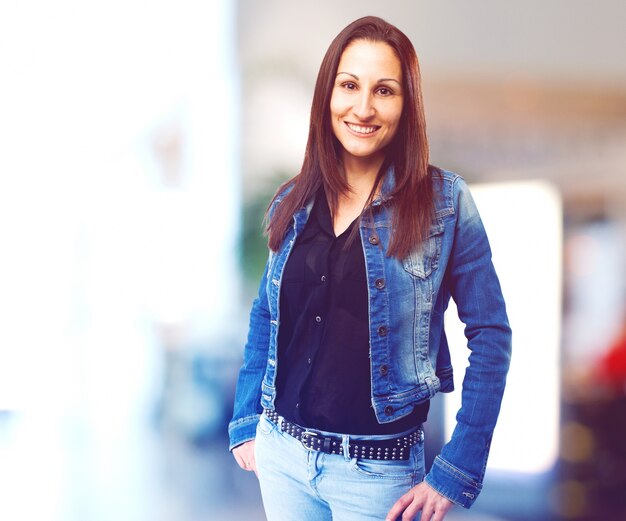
[247, 408]
[457, 473]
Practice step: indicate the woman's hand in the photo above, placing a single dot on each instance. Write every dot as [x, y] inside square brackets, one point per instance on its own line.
[244, 455]
[433, 505]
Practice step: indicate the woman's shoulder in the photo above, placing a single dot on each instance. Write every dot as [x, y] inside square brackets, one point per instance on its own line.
[445, 184]
[443, 176]
[284, 189]
[280, 194]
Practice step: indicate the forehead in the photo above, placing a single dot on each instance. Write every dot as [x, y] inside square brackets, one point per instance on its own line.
[370, 58]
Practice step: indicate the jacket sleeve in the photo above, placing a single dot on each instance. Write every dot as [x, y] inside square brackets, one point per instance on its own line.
[247, 408]
[457, 473]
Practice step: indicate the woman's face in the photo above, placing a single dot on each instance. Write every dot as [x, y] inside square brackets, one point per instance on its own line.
[366, 102]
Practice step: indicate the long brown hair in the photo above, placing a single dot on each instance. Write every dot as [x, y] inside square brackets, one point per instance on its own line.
[412, 196]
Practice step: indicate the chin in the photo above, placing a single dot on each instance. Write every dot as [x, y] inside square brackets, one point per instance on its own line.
[362, 152]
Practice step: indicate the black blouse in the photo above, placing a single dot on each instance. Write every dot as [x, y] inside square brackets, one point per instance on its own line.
[323, 373]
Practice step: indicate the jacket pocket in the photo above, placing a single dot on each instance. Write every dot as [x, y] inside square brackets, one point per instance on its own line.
[423, 260]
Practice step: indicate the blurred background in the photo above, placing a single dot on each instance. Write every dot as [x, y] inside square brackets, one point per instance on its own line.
[139, 145]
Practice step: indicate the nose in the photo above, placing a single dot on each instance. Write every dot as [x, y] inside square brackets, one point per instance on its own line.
[363, 106]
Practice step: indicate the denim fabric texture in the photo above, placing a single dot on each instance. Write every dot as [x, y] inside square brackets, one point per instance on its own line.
[300, 484]
[409, 352]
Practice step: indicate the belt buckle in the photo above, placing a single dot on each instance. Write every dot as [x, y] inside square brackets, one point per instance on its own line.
[303, 440]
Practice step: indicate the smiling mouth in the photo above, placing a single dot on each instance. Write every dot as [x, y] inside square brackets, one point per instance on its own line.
[363, 130]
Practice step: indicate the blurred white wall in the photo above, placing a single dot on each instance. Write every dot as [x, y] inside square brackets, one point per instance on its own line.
[119, 186]
[119, 216]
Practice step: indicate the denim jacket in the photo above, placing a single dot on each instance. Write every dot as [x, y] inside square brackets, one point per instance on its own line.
[409, 353]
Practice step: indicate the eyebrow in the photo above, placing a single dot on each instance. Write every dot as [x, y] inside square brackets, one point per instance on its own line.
[356, 77]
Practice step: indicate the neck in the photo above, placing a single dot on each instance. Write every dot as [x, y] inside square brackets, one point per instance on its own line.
[361, 173]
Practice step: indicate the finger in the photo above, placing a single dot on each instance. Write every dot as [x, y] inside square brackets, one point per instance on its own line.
[438, 516]
[244, 455]
[251, 463]
[241, 461]
[238, 459]
[249, 452]
[249, 457]
[427, 514]
[399, 507]
[441, 511]
[411, 511]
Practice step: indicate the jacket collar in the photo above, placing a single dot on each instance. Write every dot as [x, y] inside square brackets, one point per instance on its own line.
[388, 185]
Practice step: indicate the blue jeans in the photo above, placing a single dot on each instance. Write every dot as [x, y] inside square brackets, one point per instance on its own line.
[298, 484]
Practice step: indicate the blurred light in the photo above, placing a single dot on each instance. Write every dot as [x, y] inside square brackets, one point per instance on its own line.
[576, 442]
[569, 499]
[582, 252]
[524, 224]
[595, 292]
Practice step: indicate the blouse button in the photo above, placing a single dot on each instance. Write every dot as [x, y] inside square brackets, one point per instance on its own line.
[382, 331]
[384, 370]
[318, 319]
[323, 278]
[373, 239]
[389, 410]
[380, 283]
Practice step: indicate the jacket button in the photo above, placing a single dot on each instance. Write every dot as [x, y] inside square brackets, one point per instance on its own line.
[374, 239]
[382, 331]
[389, 410]
[380, 283]
[384, 370]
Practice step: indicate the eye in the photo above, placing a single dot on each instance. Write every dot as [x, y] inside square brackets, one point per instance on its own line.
[384, 91]
[349, 85]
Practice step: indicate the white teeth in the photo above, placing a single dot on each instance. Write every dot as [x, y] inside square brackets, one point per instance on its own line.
[360, 129]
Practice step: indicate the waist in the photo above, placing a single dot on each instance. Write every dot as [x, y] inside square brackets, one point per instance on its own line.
[366, 446]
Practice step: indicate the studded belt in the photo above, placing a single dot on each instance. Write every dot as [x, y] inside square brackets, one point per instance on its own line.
[397, 448]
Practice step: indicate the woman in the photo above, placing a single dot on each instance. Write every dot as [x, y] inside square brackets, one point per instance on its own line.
[346, 343]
